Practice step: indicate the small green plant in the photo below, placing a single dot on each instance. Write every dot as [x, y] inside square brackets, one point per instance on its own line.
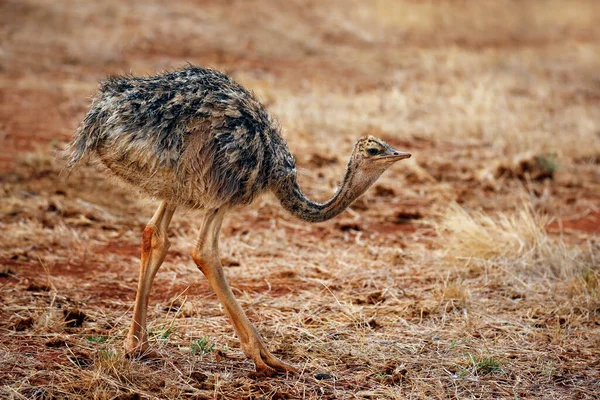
[549, 369]
[202, 346]
[548, 163]
[483, 365]
[487, 365]
[161, 333]
[97, 339]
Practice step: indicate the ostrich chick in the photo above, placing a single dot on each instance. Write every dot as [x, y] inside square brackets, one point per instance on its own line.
[195, 138]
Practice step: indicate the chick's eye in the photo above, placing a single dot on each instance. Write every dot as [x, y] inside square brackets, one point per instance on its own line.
[373, 151]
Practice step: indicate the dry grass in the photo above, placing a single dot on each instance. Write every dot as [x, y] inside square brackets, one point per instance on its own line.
[519, 240]
[469, 271]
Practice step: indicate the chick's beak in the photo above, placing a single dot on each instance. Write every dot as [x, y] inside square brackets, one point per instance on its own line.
[397, 155]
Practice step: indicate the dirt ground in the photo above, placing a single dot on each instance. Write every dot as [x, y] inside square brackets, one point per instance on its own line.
[469, 271]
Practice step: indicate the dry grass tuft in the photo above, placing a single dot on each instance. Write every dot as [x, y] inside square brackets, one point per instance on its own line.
[453, 294]
[518, 241]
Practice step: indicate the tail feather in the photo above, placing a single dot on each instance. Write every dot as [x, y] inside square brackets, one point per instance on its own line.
[86, 138]
[77, 149]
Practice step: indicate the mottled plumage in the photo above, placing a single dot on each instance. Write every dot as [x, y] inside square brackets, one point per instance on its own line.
[196, 138]
[195, 128]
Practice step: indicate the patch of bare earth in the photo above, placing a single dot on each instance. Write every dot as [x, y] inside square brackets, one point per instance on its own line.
[469, 271]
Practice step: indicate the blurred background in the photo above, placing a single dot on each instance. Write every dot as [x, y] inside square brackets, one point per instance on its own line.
[500, 71]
